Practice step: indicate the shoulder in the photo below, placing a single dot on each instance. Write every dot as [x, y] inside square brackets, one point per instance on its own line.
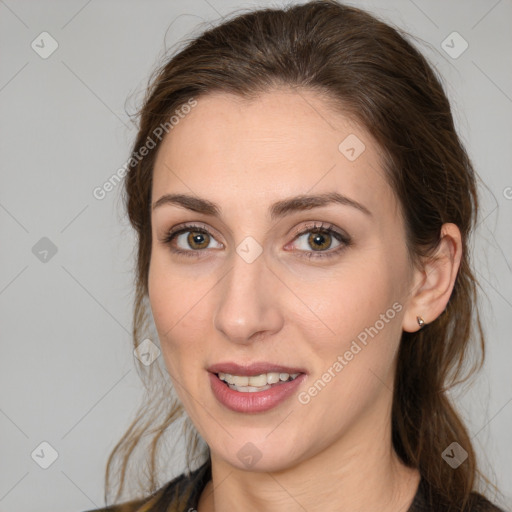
[137, 504]
[427, 500]
[186, 486]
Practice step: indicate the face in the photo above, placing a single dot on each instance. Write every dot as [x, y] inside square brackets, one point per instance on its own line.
[273, 285]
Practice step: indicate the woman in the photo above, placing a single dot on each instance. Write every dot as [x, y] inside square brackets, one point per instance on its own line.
[303, 206]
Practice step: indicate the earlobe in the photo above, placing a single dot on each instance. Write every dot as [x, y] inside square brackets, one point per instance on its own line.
[429, 298]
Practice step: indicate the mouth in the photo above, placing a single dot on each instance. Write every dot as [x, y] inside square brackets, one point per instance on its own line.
[254, 388]
[255, 383]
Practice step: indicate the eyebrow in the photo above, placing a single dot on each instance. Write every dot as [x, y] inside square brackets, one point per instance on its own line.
[277, 210]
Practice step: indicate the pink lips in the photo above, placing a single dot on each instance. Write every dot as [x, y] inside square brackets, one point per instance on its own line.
[258, 401]
[252, 369]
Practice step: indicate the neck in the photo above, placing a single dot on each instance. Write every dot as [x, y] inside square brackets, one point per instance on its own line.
[359, 472]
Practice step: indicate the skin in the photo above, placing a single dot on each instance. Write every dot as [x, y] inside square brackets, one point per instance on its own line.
[335, 452]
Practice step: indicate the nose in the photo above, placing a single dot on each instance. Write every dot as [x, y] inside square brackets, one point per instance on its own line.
[248, 307]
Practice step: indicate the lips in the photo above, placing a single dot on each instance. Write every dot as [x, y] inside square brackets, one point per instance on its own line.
[253, 369]
[268, 398]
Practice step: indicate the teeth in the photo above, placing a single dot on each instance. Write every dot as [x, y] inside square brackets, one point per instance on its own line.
[259, 382]
[272, 378]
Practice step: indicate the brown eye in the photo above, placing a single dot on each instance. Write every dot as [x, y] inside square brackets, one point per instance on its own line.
[315, 241]
[319, 240]
[189, 240]
[198, 239]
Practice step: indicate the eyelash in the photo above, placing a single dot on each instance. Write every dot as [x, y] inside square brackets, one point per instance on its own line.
[322, 228]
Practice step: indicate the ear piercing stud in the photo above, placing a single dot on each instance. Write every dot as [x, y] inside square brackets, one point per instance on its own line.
[421, 322]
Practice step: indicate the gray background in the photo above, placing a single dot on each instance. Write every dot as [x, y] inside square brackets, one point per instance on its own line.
[67, 372]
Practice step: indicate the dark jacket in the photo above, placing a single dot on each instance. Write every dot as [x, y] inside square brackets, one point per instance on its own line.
[176, 490]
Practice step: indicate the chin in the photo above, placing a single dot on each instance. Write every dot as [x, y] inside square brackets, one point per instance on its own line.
[255, 452]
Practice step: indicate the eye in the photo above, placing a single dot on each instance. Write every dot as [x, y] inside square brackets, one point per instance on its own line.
[190, 240]
[321, 237]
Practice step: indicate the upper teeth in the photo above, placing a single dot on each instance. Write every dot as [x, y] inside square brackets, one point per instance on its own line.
[256, 380]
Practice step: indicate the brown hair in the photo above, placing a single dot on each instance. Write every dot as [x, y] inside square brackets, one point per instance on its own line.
[374, 75]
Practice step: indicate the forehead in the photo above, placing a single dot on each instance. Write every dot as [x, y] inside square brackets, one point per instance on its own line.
[255, 151]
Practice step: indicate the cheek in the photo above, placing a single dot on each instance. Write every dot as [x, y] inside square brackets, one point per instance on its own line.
[166, 306]
[348, 300]
[353, 363]
[162, 294]
[178, 305]
[353, 348]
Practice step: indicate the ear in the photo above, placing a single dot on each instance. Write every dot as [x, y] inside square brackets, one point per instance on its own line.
[433, 283]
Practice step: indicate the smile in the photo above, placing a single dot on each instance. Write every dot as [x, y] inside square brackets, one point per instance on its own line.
[252, 384]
